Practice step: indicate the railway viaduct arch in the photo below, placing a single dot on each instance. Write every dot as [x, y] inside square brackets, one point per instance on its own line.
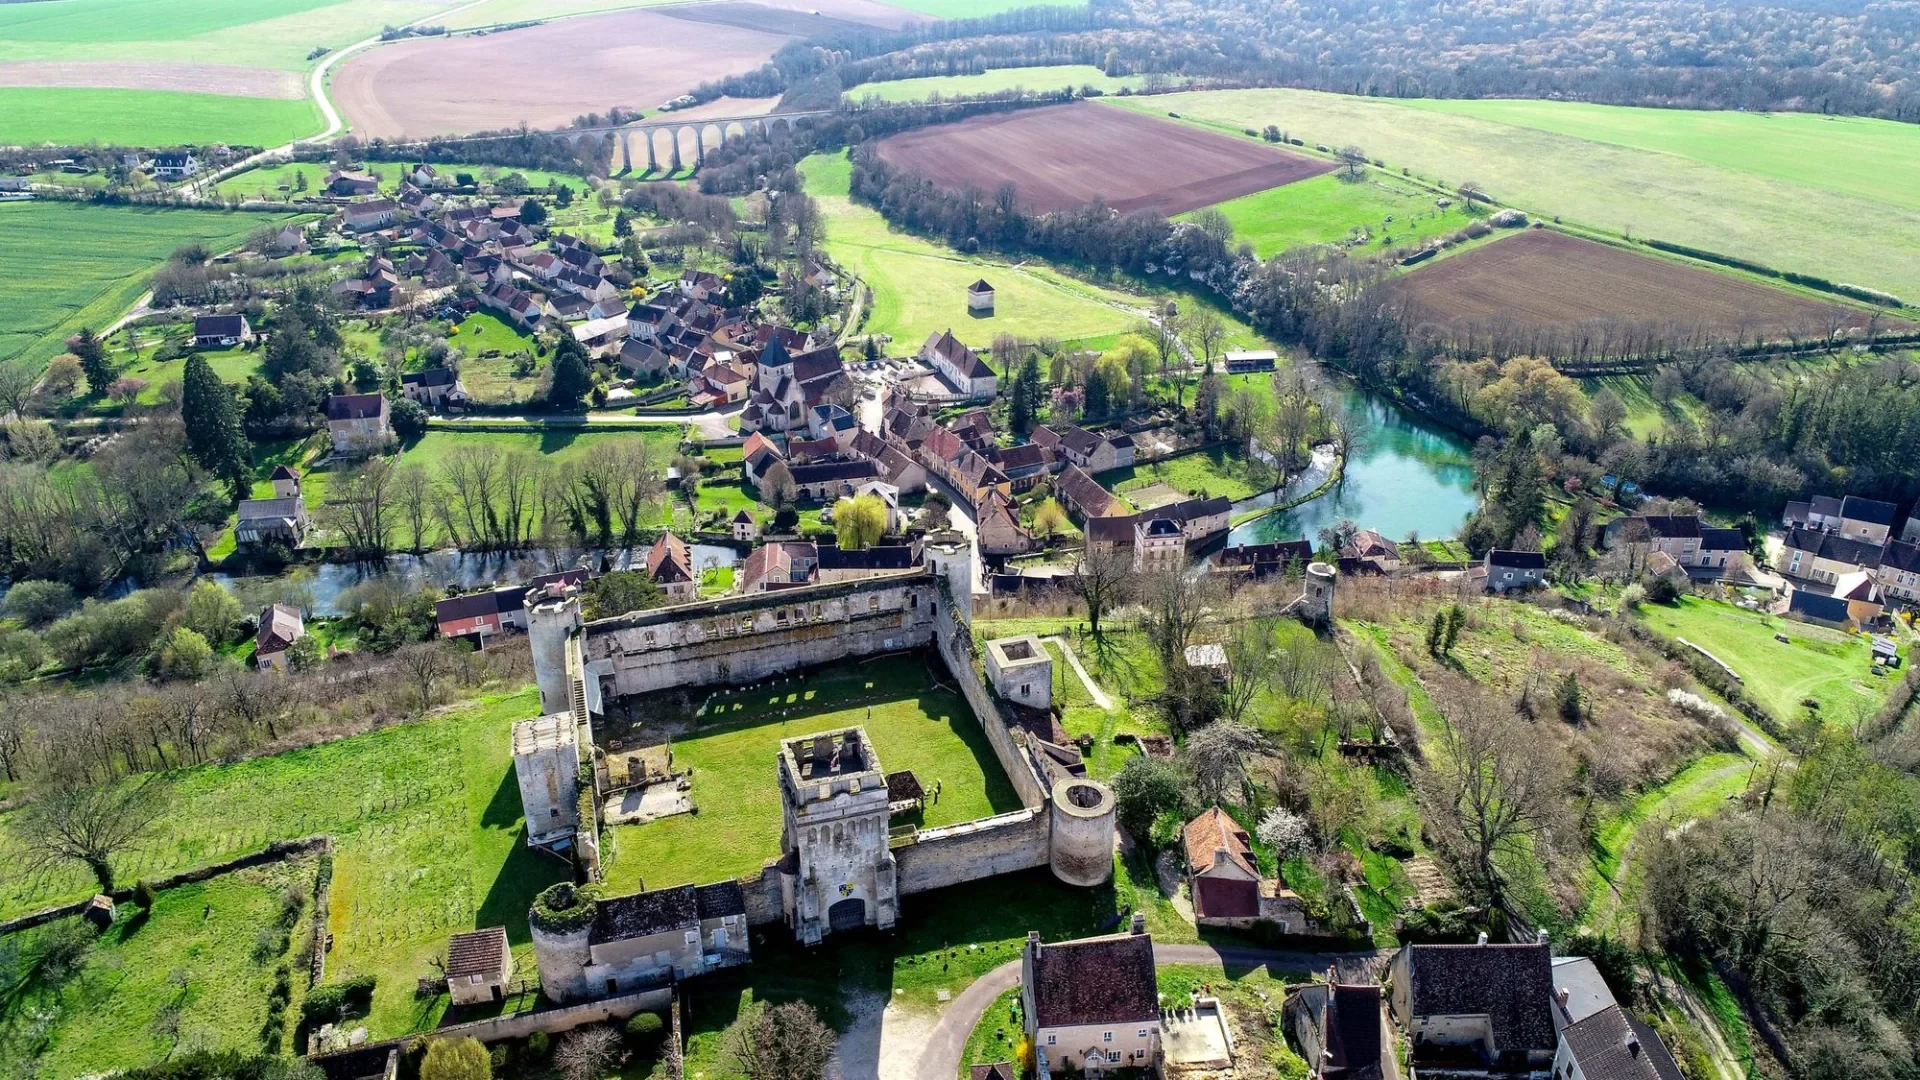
[644, 139]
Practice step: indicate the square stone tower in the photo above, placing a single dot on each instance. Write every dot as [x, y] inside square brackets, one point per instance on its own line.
[546, 761]
[1021, 670]
[837, 873]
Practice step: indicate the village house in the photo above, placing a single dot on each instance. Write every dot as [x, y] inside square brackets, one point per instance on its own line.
[174, 165]
[433, 387]
[889, 496]
[643, 358]
[1000, 532]
[1692, 543]
[1083, 497]
[777, 566]
[280, 626]
[279, 520]
[1095, 453]
[960, 366]
[1262, 560]
[567, 307]
[1868, 521]
[221, 331]
[424, 175]
[1507, 570]
[1158, 544]
[745, 527]
[369, 215]
[1899, 570]
[980, 296]
[519, 308]
[1223, 879]
[1024, 466]
[670, 565]
[1341, 1030]
[1370, 547]
[1826, 557]
[373, 286]
[289, 240]
[645, 939]
[1476, 1006]
[359, 423]
[601, 336]
[481, 615]
[479, 966]
[1819, 609]
[1091, 1005]
[834, 563]
[1246, 362]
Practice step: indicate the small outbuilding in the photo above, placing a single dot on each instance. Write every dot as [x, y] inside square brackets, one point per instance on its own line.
[980, 296]
[745, 528]
[99, 911]
[479, 964]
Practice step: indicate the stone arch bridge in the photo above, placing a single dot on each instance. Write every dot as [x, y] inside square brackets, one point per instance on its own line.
[642, 138]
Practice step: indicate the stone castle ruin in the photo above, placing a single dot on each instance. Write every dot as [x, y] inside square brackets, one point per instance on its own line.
[840, 868]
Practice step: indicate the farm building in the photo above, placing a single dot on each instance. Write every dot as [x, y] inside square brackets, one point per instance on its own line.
[479, 966]
[980, 296]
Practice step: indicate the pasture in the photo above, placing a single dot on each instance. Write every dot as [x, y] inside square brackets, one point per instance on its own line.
[162, 34]
[1545, 279]
[919, 287]
[1066, 155]
[196, 969]
[90, 264]
[35, 114]
[911, 721]
[1389, 213]
[999, 80]
[1794, 192]
[1815, 663]
[426, 816]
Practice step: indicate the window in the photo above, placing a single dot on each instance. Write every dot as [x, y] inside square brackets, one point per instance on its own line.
[1113, 1055]
[693, 937]
[1052, 1039]
[1106, 1036]
[553, 811]
[648, 639]
[1025, 689]
[1143, 1033]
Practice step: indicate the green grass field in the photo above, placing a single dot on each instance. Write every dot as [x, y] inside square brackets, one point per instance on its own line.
[90, 264]
[1211, 472]
[1793, 191]
[194, 957]
[232, 365]
[33, 114]
[1038, 79]
[1826, 665]
[1326, 209]
[912, 723]
[427, 820]
[919, 287]
[271, 34]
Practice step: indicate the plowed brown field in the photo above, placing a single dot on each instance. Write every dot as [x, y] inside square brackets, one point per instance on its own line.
[1066, 155]
[1541, 278]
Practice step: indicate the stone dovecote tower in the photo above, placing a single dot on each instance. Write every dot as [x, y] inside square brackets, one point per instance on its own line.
[837, 873]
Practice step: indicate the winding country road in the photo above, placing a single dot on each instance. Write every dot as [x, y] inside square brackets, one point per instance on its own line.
[941, 1059]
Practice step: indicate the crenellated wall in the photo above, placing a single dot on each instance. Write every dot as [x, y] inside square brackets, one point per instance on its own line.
[969, 851]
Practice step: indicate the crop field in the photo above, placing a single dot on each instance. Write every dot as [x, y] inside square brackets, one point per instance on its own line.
[31, 115]
[91, 265]
[426, 817]
[911, 721]
[274, 34]
[1815, 663]
[196, 957]
[919, 287]
[544, 75]
[1548, 279]
[1066, 155]
[1049, 77]
[1332, 209]
[1795, 192]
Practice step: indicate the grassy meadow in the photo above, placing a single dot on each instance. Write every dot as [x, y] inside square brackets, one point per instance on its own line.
[1048, 77]
[1798, 193]
[912, 723]
[1330, 209]
[266, 33]
[1827, 666]
[33, 114]
[90, 264]
[194, 971]
[919, 287]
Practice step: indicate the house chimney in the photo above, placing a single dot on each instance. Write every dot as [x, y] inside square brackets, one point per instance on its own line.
[1483, 938]
[1633, 1044]
[1539, 937]
[1561, 995]
[1139, 922]
[1033, 941]
[1220, 855]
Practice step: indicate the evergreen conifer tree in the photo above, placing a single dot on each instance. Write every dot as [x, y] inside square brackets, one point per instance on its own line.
[212, 419]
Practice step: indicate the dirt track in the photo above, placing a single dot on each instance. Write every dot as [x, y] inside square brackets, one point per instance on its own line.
[1066, 155]
[1540, 278]
[119, 75]
[543, 75]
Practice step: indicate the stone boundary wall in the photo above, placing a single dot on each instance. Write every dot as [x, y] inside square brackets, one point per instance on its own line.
[1013, 760]
[274, 852]
[971, 850]
[764, 904]
[520, 1025]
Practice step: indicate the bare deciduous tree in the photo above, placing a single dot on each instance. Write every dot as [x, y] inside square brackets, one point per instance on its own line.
[77, 821]
[413, 490]
[1104, 579]
[1494, 780]
[1216, 760]
[427, 665]
[361, 509]
[1175, 603]
[779, 1042]
[587, 1053]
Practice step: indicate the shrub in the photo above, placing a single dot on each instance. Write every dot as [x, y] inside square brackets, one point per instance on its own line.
[539, 1045]
[1695, 705]
[645, 1029]
[338, 1001]
[564, 908]
[144, 895]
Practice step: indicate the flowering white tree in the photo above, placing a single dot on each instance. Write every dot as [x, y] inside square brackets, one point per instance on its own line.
[1286, 832]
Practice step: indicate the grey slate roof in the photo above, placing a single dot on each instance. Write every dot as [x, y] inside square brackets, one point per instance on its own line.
[1106, 980]
[1511, 985]
[644, 914]
[1610, 1045]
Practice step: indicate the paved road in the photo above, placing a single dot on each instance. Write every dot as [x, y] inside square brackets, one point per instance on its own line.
[941, 1059]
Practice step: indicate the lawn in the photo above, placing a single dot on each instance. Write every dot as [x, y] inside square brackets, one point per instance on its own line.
[1827, 666]
[433, 448]
[426, 817]
[998, 1034]
[1786, 190]
[919, 287]
[196, 957]
[910, 721]
[91, 264]
[276, 34]
[1214, 471]
[232, 365]
[1330, 208]
[66, 114]
[999, 80]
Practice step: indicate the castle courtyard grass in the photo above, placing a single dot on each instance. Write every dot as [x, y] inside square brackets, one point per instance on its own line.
[912, 723]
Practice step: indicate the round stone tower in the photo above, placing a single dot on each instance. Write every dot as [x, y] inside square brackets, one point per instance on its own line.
[1317, 601]
[561, 921]
[1083, 814]
[552, 616]
[950, 554]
